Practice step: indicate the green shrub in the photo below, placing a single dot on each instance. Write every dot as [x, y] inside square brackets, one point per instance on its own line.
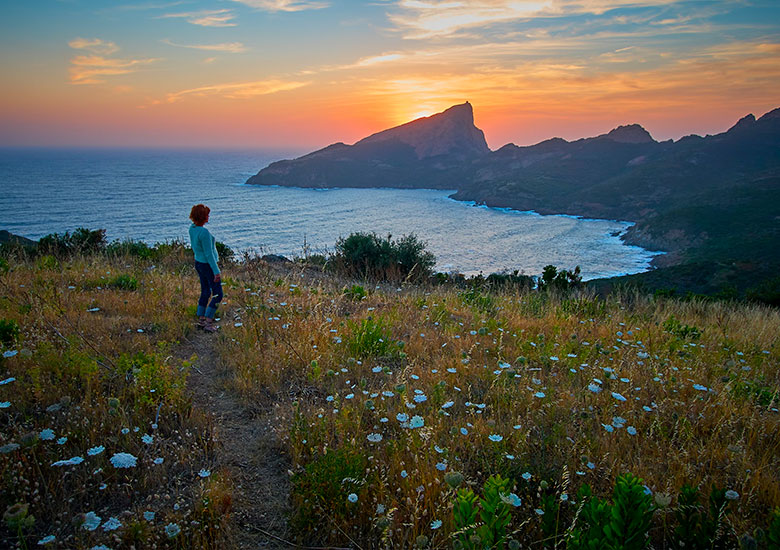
[773, 531]
[369, 338]
[370, 256]
[9, 332]
[701, 528]
[684, 332]
[622, 525]
[226, 253]
[320, 491]
[137, 249]
[554, 280]
[494, 512]
[123, 282]
[465, 512]
[767, 292]
[355, 292]
[81, 241]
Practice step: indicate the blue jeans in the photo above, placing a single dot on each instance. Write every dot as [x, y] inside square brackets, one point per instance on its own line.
[208, 289]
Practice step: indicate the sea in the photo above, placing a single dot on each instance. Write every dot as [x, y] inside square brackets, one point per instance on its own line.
[147, 195]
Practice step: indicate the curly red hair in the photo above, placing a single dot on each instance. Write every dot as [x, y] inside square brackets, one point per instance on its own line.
[199, 214]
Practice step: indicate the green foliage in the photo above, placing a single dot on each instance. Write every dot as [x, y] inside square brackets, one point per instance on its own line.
[587, 533]
[773, 531]
[123, 282]
[369, 338]
[81, 241]
[622, 525]
[700, 528]
[684, 332]
[320, 490]
[368, 255]
[225, 252]
[766, 292]
[355, 292]
[564, 280]
[477, 299]
[9, 331]
[465, 513]
[550, 505]
[494, 512]
[630, 515]
[138, 249]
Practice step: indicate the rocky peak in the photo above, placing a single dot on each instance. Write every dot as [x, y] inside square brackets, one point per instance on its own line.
[631, 133]
[451, 132]
[745, 122]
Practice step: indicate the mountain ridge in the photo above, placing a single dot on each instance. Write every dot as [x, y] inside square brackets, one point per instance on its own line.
[680, 194]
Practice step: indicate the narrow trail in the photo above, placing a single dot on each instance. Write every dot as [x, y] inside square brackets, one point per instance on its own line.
[248, 449]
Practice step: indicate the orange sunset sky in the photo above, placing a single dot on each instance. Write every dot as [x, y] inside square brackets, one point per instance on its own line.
[300, 74]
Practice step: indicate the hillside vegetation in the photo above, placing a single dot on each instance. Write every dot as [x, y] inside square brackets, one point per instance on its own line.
[419, 416]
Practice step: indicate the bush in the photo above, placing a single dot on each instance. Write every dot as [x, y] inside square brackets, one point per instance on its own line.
[370, 256]
[9, 331]
[138, 249]
[123, 282]
[369, 339]
[563, 280]
[81, 241]
[320, 492]
[225, 252]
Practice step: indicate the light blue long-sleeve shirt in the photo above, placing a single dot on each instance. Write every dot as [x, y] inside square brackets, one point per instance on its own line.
[204, 247]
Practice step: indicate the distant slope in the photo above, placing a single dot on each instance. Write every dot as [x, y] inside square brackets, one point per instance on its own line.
[711, 201]
[426, 152]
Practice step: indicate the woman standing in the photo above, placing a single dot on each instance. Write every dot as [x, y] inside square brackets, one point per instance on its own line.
[206, 258]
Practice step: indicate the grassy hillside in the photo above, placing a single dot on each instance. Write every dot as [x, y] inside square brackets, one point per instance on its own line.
[392, 402]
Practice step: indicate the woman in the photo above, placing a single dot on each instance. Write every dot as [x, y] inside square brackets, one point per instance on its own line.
[206, 258]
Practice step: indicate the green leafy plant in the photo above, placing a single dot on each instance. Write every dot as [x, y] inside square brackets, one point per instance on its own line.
[465, 512]
[630, 515]
[494, 512]
[684, 332]
[701, 528]
[553, 279]
[355, 292]
[622, 525]
[368, 255]
[773, 531]
[9, 331]
[369, 338]
[123, 282]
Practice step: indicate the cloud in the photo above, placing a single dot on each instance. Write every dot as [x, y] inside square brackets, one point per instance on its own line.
[228, 47]
[284, 5]
[91, 69]
[241, 90]
[437, 18]
[205, 18]
[94, 45]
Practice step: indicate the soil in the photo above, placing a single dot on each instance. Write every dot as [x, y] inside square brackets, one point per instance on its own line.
[248, 450]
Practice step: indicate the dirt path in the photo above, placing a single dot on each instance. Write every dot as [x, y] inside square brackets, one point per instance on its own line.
[249, 450]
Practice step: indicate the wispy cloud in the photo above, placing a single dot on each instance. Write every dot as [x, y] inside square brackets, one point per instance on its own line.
[205, 18]
[91, 69]
[94, 45]
[437, 18]
[240, 90]
[228, 47]
[285, 5]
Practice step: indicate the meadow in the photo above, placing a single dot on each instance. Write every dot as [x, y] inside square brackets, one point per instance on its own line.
[412, 415]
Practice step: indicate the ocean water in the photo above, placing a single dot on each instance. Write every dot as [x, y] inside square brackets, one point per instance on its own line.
[147, 195]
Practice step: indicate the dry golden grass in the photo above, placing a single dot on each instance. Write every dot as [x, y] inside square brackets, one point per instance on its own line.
[703, 410]
[93, 370]
[528, 386]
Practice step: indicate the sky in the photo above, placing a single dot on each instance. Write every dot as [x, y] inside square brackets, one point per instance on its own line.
[301, 74]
